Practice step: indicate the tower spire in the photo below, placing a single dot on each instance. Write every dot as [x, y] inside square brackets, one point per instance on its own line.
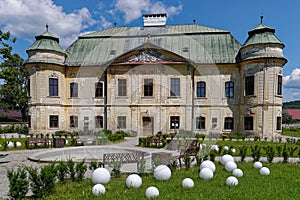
[261, 18]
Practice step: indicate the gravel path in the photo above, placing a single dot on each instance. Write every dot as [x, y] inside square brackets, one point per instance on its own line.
[20, 158]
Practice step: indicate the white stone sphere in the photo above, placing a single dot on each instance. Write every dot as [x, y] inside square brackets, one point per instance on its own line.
[264, 171]
[162, 173]
[152, 192]
[101, 175]
[225, 158]
[230, 166]
[134, 181]
[187, 183]
[257, 165]
[232, 181]
[214, 147]
[98, 189]
[208, 164]
[10, 144]
[226, 148]
[19, 144]
[233, 150]
[206, 174]
[237, 172]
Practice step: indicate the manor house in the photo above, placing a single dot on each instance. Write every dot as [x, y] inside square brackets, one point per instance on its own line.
[158, 77]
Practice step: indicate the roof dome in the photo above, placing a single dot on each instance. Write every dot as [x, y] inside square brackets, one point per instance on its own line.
[262, 34]
[46, 48]
[261, 43]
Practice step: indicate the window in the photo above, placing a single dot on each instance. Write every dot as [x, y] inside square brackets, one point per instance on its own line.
[53, 87]
[248, 123]
[99, 122]
[229, 89]
[73, 121]
[28, 87]
[175, 87]
[148, 87]
[174, 122]
[121, 122]
[200, 122]
[29, 121]
[53, 121]
[249, 85]
[201, 89]
[228, 123]
[73, 90]
[99, 89]
[279, 85]
[86, 123]
[122, 87]
[278, 125]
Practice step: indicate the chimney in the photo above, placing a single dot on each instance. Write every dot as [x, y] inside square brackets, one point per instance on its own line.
[155, 19]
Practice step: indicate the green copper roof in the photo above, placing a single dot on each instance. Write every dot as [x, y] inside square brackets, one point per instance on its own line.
[198, 44]
[46, 41]
[262, 34]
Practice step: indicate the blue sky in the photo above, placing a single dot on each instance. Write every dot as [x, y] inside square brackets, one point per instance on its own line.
[69, 18]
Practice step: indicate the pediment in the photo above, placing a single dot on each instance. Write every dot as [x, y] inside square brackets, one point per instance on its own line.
[149, 54]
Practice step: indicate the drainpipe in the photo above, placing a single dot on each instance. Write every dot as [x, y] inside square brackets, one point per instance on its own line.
[193, 93]
[105, 99]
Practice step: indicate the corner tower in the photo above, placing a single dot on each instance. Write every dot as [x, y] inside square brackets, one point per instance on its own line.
[261, 62]
[46, 69]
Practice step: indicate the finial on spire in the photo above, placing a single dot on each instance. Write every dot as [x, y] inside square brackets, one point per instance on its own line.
[47, 27]
[194, 21]
[261, 18]
[115, 24]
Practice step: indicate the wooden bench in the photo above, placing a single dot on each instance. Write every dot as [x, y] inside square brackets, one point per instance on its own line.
[155, 141]
[35, 141]
[190, 148]
[111, 158]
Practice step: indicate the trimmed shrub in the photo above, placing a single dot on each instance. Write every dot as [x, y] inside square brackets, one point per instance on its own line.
[42, 182]
[18, 183]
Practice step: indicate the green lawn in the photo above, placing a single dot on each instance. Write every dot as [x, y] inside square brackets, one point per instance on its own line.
[282, 183]
[294, 132]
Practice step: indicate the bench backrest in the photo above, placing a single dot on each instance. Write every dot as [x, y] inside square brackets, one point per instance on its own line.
[122, 157]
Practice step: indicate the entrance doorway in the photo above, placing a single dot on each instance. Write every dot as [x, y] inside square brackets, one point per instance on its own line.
[147, 126]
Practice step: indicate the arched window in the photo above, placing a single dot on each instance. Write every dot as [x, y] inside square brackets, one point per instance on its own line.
[99, 89]
[200, 122]
[228, 123]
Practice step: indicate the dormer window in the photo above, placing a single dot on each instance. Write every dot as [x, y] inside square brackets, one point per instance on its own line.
[185, 49]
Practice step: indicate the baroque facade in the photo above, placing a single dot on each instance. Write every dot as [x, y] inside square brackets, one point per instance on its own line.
[158, 78]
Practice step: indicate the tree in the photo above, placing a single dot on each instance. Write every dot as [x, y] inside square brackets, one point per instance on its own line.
[14, 77]
[287, 119]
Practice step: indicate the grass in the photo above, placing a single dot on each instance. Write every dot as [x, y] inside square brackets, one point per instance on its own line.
[282, 183]
[293, 132]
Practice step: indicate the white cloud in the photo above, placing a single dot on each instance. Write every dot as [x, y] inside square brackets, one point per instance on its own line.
[292, 80]
[133, 9]
[291, 84]
[26, 18]
[104, 23]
